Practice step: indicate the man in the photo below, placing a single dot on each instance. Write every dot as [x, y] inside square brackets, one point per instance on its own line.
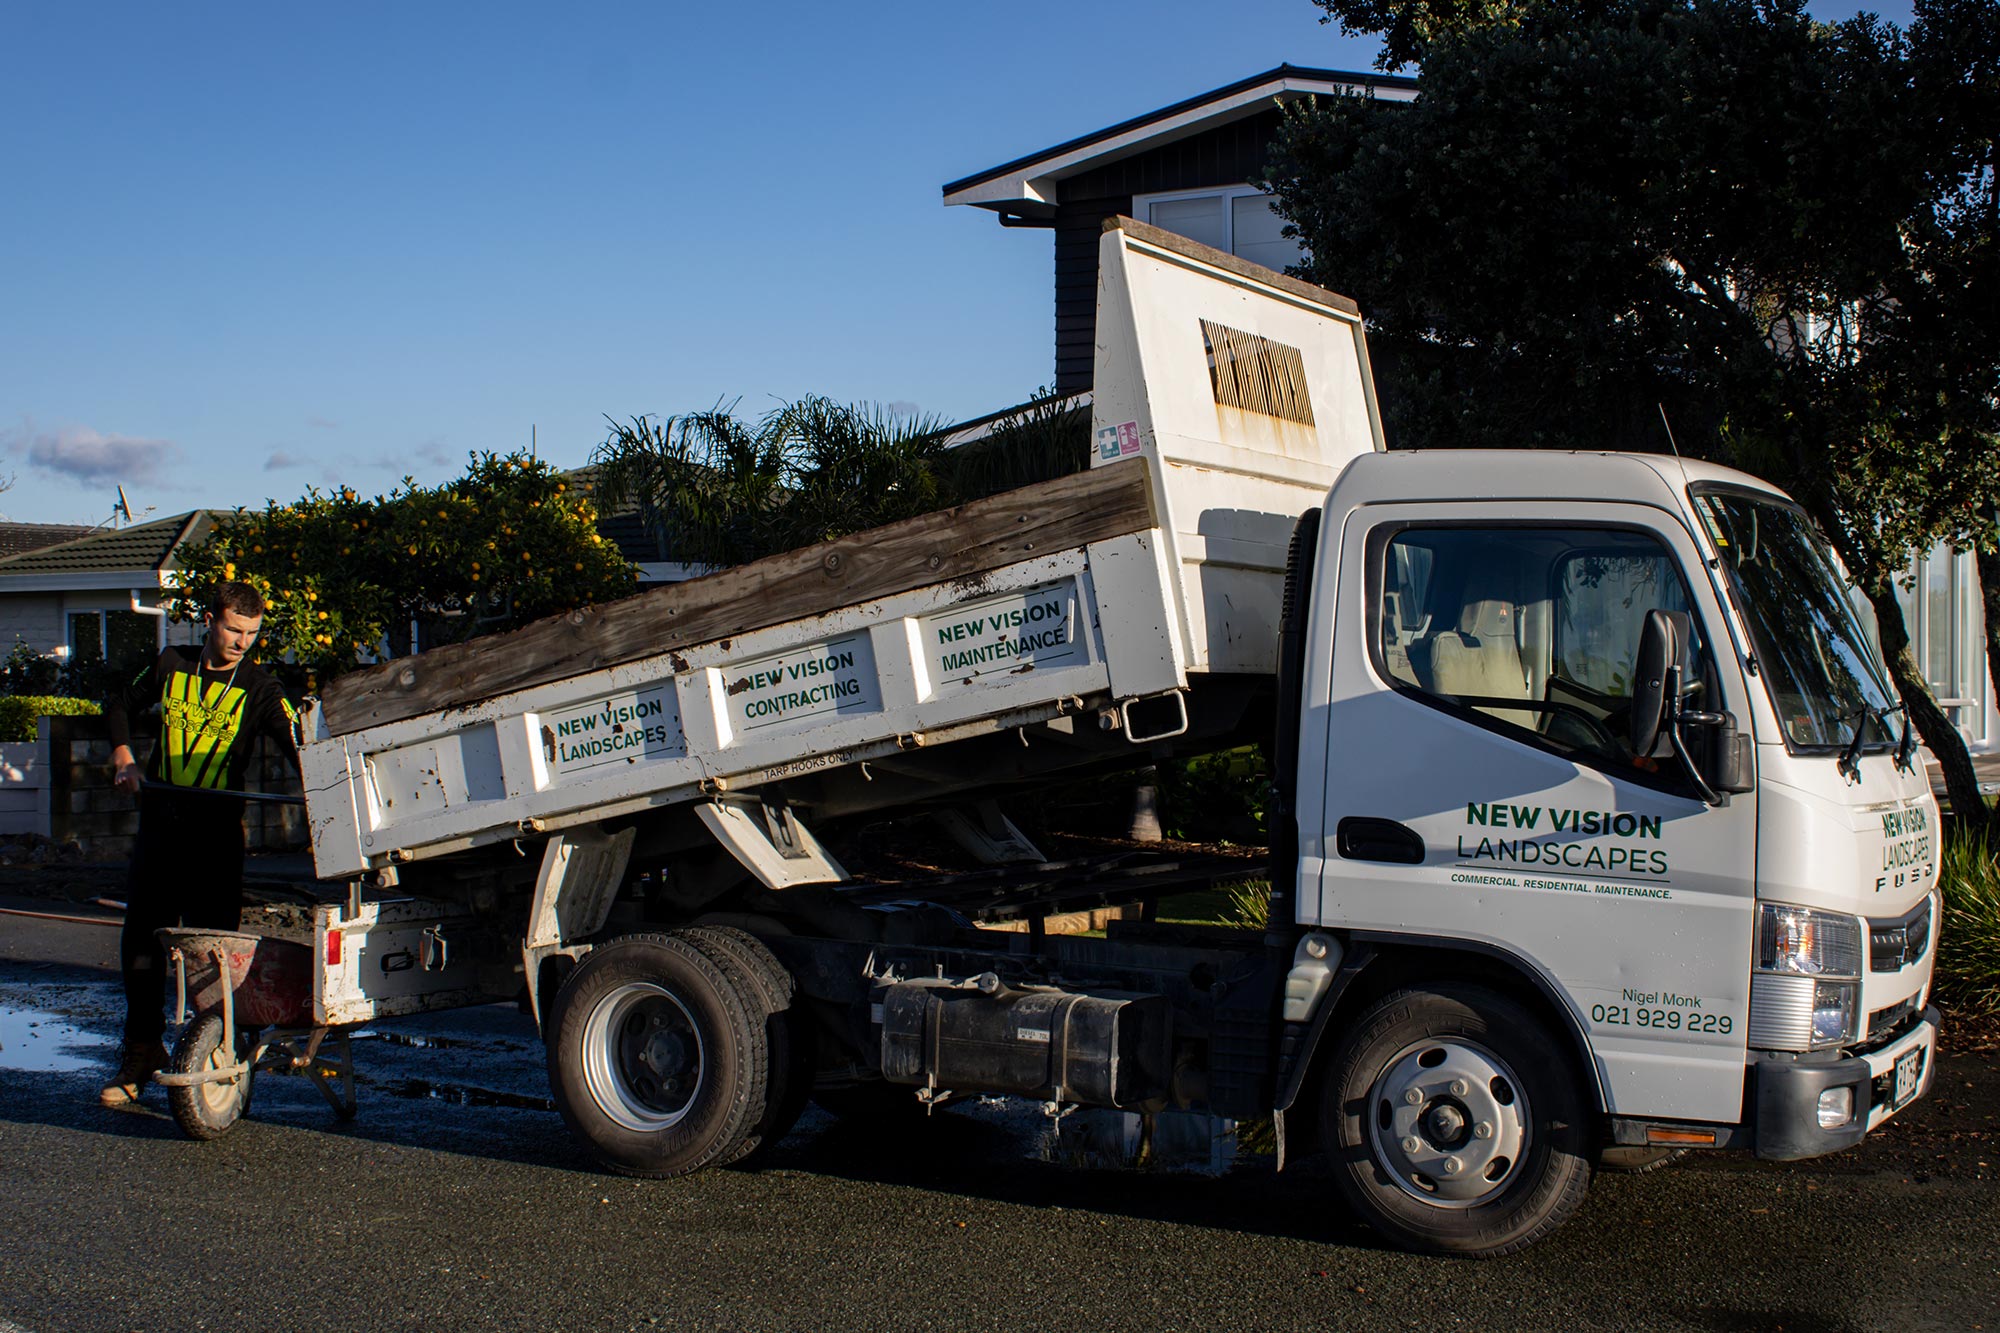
[187, 868]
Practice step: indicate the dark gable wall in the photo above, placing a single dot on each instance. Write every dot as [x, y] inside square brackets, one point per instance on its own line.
[1228, 155]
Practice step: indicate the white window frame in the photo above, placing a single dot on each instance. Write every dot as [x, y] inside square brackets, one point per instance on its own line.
[103, 612]
[1142, 207]
[1965, 637]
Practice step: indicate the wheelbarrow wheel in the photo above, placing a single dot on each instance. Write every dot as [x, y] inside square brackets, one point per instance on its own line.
[207, 1110]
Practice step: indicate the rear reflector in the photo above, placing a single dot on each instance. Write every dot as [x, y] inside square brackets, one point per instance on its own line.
[333, 948]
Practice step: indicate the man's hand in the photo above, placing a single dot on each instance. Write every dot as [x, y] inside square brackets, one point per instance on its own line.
[125, 769]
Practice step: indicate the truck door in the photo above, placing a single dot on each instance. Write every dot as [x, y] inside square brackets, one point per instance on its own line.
[1480, 783]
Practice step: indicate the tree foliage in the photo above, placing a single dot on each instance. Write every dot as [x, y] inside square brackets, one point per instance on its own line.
[1778, 232]
[715, 489]
[344, 577]
[1409, 28]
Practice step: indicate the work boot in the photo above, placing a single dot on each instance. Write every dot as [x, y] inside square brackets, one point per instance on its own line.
[135, 1071]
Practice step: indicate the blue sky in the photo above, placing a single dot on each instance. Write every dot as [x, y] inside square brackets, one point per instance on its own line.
[252, 248]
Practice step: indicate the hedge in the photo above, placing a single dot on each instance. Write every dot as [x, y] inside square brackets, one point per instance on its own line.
[18, 712]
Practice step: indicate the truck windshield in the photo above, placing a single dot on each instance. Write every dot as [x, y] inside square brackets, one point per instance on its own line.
[1817, 657]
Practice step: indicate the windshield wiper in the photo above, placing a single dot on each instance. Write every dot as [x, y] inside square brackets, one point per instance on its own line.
[1850, 758]
[1906, 745]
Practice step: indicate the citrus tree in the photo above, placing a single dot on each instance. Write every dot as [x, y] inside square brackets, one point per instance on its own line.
[345, 578]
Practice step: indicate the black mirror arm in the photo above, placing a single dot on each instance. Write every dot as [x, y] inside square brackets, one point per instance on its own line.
[1676, 715]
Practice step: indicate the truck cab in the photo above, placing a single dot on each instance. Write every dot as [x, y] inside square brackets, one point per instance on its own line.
[1600, 746]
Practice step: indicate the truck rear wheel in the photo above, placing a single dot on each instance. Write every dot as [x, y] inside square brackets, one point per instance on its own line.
[657, 1056]
[790, 1065]
[1454, 1122]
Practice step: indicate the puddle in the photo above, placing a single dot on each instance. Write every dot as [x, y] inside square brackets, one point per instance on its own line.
[1176, 1141]
[42, 1043]
[405, 1039]
[461, 1096]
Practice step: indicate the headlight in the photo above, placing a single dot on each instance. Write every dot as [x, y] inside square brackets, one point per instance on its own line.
[1806, 994]
[1802, 942]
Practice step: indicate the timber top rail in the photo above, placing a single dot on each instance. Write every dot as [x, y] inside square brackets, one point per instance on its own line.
[960, 543]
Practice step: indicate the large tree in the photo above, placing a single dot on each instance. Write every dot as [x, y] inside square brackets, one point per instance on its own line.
[1777, 233]
[345, 577]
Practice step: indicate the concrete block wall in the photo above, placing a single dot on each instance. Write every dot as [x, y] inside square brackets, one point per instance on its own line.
[105, 821]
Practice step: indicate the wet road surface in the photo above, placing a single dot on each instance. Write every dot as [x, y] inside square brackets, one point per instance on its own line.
[457, 1200]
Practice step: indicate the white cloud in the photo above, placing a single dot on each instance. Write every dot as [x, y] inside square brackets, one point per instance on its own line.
[283, 461]
[431, 453]
[321, 423]
[86, 455]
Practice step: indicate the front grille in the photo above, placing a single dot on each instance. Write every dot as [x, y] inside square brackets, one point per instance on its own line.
[1884, 1023]
[1895, 943]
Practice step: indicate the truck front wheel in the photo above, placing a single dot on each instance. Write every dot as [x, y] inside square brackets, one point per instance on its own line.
[656, 1057]
[1454, 1122]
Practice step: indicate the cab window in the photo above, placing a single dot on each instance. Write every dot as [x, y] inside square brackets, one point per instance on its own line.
[1531, 631]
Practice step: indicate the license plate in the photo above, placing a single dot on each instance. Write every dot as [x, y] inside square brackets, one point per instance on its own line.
[1909, 1076]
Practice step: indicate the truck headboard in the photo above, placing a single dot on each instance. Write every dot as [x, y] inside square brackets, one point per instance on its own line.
[1251, 391]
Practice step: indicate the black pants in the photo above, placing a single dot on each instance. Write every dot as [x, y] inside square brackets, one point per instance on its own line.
[187, 870]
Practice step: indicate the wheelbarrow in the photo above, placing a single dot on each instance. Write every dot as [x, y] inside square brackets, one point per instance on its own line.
[252, 1002]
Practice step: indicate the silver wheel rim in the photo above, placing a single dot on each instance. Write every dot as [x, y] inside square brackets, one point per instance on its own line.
[642, 1057]
[1448, 1121]
[219, 1099]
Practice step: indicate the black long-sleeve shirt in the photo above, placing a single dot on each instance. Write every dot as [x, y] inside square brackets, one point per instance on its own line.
[207, 718]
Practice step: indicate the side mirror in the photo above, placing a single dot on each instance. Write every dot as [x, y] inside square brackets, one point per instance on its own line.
[1654, 676]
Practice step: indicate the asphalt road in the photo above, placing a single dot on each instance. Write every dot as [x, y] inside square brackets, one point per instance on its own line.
[457, 1201]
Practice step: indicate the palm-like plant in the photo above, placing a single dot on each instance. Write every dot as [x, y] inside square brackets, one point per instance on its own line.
[714, 489]
[1048, 437]
[705, 484]
[852, 467]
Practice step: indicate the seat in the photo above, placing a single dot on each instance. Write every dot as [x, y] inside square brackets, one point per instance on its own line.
[1482, 659]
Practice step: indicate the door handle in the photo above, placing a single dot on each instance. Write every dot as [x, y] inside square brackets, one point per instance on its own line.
[1360, 838]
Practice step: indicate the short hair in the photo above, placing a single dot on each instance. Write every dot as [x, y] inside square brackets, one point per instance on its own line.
[241, 598]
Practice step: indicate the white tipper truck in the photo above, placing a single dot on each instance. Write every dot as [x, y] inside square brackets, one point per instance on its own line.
[1592, 840]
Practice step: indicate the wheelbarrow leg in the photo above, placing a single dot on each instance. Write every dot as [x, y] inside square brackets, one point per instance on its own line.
[323, 1071]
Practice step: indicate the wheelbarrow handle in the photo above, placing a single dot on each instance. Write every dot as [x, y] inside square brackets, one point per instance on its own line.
[268, 798]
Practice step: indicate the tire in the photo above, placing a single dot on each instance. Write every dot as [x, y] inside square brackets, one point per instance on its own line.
[657, 1056]
[1454, 1123]
[790, 1064]
[207, 1110]
[1632, 1161]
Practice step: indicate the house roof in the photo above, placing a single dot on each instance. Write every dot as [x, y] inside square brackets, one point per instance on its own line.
[20, 538]
[1031, 186]
[118, 554]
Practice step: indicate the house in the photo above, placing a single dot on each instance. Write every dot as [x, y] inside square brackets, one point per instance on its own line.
[97, 597]
[1190, 168]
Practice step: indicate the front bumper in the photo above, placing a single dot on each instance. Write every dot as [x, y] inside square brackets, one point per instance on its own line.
[1786, 1091]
